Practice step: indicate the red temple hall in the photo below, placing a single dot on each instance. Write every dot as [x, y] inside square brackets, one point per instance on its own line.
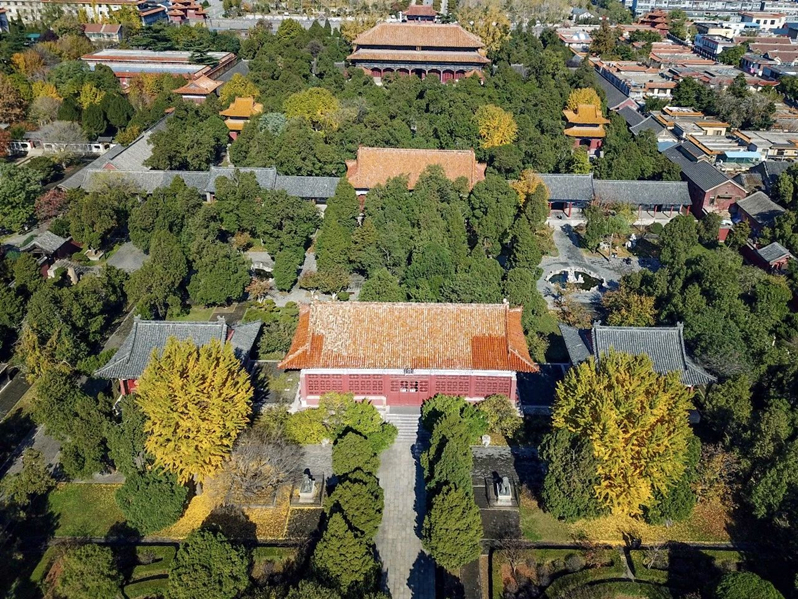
[399, 354]
[446, 52]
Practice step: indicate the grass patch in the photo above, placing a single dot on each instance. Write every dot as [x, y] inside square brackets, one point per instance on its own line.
[43, 567]
[709, 522]
[196, 313]
[146, 588]
[84, 510]
[273, 554]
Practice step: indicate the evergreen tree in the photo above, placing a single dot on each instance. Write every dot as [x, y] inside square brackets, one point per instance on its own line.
[93, 121]
[221, 275]
[344, 205]
[352, 452]
[343, 558]
[359, 498]
[452, 531]
[151, 501]
[382, 286]
[333, 245]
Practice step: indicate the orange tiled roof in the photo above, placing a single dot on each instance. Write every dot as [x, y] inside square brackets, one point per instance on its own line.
[585, 132]
[422, 35]
[242, 108]
[201, 86]
[374, 166]
[586, 114]
[420, 10]
[426, 56]
[409, 335]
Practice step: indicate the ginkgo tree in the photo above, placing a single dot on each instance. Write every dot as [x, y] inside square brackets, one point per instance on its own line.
[497, 127]
[197, 400]
[637, 422]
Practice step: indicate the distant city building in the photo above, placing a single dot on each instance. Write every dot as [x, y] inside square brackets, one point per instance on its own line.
[664, 345]
[635, 79]
[127, 64]
[420, 12]
[374, 166]
[133, 356]
[576, 38]
[586, 127]
[103, 33]
[197, 90]
[400, 354]
[764, 21]
[446, 52]
[33, 10]
[239, 113]
[186, 12]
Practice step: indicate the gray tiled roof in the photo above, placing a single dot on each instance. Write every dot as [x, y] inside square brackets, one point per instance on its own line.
[702, 174]
[584, 188]
[264, 176]
[631, 116]
[659, 193]
[307, 187]
[569, 187]
[761, 208]
[577, 343]
[772, 252]
[664, 345]
[649, 124]
[48, 242]
[133, 356]
[615, 97]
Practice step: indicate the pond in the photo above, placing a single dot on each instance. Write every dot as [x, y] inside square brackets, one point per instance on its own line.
[580, 278]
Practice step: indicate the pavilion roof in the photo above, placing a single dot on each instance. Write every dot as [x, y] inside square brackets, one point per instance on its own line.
[585, 114]
[242, 108]
[390, 335]
[201, 86]
[425, 56]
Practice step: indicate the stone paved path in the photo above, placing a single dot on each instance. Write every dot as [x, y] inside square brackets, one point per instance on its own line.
[408, 573]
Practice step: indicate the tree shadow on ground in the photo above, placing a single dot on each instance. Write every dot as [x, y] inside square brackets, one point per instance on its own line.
[232, 522]
[421, 580]
[419, 490]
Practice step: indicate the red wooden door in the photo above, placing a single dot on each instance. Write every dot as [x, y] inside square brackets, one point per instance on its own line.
[408, 391]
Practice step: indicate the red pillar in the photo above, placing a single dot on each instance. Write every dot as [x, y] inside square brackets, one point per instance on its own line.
[671, 212]
[570, 204]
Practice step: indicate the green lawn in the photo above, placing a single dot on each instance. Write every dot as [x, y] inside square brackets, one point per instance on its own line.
[84, 509]
[196, 313]
[537, 525]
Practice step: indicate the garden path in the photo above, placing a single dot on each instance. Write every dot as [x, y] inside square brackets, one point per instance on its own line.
[408, 572]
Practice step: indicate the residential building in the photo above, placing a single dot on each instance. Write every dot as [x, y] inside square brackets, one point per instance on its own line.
[764, 21]
[197, 90]
[718, 76]
[374, 166]
[710, 189]
[774, 257]
[420, 12]
[771, 145]
[581, 14]
[576, 38]
[444, 51]
[758, 210]
[131, 359]
[151, 13]
[570, 194]
[663, 345]
[33, 10]
[239, 113]
[186, 12]
[127, 64]
[616, 99]
[635, 79]
[47, 248]
[103, 33]
[399, 354]
[586, 127]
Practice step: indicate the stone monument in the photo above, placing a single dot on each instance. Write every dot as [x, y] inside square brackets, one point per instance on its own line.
[307, 490]
[504, 492]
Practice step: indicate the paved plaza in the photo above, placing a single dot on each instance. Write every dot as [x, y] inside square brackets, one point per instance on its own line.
[408, 573]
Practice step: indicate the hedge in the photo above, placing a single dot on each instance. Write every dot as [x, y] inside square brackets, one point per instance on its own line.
[146, 588]
[570, 582]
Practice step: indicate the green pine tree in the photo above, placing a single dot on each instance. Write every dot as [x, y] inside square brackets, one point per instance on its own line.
[452, 530]
[343, 558]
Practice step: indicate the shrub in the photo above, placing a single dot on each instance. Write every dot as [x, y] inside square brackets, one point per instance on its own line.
[574, 562]
[151, 501]
[344, 296]
[343, 559]
[501, 415]
[435, 408]
[306, 427]
[656, 228]
[352, 452]
[89, 572]
[89, 364]
[208, 566]
[745, 585]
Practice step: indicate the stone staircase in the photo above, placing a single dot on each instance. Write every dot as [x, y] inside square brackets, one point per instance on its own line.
[408, 425]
